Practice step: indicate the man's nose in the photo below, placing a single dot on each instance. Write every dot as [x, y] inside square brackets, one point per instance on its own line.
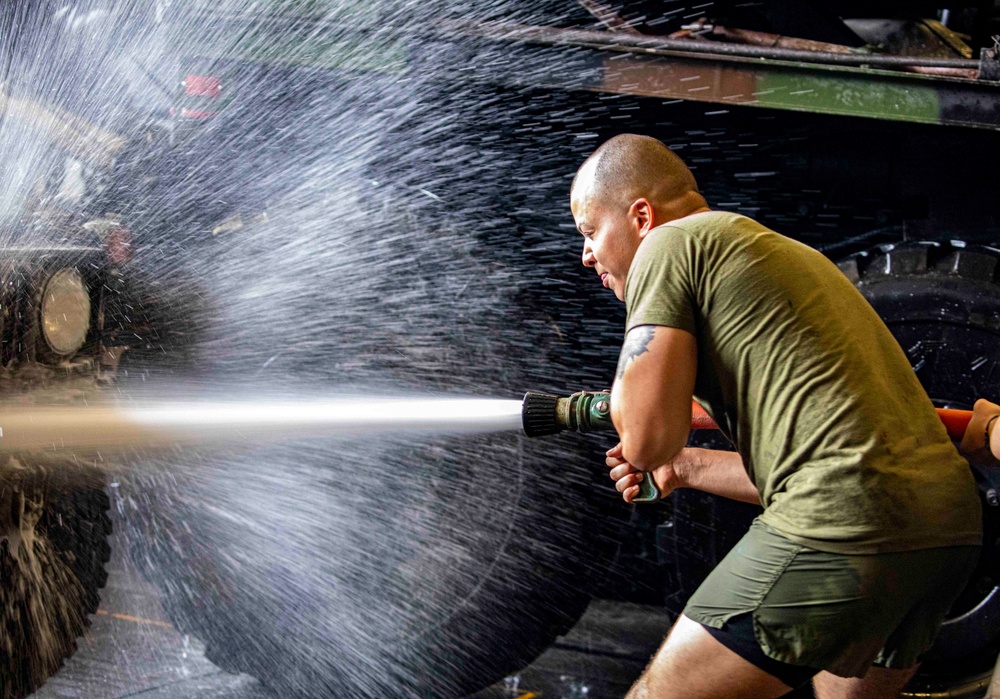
[588, 256]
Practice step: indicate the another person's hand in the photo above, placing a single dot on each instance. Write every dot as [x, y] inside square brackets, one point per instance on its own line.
[977, 445]
[627, 477]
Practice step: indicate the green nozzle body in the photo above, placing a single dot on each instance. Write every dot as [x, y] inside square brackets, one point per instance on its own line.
[585, 411]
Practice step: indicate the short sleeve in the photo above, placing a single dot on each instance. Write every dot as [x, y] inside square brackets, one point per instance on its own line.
[659, 289]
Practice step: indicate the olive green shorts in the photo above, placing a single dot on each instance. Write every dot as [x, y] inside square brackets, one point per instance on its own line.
[835, 612]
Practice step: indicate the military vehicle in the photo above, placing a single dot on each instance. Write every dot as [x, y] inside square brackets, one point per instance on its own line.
[869, 131]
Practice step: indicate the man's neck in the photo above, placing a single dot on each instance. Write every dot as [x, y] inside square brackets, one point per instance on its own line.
[684, 205]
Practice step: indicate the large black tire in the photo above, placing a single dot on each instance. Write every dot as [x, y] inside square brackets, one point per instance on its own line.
[54, 533]
[391, 566]
[485, 586]
[941, 300]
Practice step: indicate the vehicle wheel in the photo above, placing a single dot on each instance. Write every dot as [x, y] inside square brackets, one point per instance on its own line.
[444, 595]
[386, 565]
[941, 300]
[53, 548]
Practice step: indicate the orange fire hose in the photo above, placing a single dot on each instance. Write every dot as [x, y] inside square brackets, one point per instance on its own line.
[955, 421]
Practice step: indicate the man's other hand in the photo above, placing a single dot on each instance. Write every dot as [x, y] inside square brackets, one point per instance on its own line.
[627, 477]
[976, 445]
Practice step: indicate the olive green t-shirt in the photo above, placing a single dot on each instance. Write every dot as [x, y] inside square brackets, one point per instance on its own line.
[837, 434]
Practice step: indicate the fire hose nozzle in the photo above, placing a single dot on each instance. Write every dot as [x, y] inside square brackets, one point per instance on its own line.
[584, 411]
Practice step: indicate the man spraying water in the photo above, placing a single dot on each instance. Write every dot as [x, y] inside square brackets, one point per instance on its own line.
[871, 521]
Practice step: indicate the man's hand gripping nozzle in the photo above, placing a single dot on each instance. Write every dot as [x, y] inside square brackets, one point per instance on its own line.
[590, 411]
[584, 411]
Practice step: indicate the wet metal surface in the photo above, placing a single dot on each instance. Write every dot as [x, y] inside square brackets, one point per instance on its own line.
[600, 658]
[132, 650]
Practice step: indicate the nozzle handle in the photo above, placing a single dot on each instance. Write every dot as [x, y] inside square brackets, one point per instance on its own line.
[648, 492]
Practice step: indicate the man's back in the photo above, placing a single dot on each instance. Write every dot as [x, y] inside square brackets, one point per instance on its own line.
[833, 426]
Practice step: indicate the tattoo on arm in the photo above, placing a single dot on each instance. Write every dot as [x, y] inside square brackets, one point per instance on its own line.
[636, 342]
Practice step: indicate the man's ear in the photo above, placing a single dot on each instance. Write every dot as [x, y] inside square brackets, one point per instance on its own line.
[641, 216]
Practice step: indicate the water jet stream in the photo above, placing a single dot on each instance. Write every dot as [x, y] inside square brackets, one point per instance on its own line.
[111, 427]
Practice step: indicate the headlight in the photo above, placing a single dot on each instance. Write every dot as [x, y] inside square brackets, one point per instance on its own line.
[65, 312]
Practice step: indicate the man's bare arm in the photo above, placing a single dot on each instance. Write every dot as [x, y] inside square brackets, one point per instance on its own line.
[711, 471]
[718, 472]
[651, 397]
[636, 344]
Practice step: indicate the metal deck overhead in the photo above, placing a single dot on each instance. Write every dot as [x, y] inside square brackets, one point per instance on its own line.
[725, 74]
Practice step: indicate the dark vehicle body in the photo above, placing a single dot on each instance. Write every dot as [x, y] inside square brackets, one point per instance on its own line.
[875, 140]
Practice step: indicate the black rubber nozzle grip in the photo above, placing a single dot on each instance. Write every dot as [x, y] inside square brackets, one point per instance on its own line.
[538, 414]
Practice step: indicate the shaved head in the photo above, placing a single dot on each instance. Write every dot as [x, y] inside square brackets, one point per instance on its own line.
[628, 187]
[628, 167]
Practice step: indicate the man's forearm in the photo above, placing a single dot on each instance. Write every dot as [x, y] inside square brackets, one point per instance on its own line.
[651, 395]
[717, 472]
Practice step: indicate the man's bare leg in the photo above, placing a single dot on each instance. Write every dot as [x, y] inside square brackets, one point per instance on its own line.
[879, 683]
[691, 664]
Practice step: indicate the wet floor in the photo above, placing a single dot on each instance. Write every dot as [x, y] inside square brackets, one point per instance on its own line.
[133, 651]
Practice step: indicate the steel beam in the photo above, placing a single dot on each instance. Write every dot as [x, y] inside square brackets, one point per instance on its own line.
[549, 62]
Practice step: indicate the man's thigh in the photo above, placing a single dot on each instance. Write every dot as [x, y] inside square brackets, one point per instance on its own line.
[831, 611]
[691, 664]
